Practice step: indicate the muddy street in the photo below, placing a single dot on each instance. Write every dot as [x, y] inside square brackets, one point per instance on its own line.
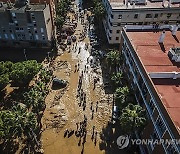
[76, 115]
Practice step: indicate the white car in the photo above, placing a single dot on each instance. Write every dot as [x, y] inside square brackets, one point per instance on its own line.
[115, 112]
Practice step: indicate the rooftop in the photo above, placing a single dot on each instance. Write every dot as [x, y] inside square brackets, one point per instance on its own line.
[38, 7]
[154, 58]
[120, 4]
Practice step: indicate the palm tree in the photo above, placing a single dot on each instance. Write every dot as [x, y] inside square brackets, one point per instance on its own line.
[132, 119]
[113, 59]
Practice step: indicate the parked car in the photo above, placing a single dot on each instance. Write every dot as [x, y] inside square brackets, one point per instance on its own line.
[59, 83]
[115, 112]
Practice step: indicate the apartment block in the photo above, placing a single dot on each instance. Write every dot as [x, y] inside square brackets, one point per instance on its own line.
[25, 25]
[152, 65]
[144, 14]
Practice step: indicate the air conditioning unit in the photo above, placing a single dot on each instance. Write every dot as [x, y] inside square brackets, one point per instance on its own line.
[137, 1]
[175, 1]
[174, 54]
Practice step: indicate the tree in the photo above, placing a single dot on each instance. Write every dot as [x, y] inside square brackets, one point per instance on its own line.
[59, 20]
[99, 14]
[16, 122]
[117, 78]
[99, 11]
[113, 59]
[132, 119]
[23, 72]
[121, 95]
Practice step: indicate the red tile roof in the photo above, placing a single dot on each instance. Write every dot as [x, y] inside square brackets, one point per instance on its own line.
[154, 59]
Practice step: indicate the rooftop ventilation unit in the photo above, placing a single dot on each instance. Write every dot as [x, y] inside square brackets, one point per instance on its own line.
[137, 1]
[22, 2]
[174, 54]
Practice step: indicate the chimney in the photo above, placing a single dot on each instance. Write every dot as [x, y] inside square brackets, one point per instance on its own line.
[174, 30]
[161, 39]
[169, 4]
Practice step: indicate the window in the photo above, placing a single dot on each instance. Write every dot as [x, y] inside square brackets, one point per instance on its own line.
[151, 106]
[144, 91]
[118, 24]
[153, 136]
[35, 25]
[13, 14]
[140, 23]
[110, 23]
[118, 31]
[47, 21]
[109, 38]
[110, 31]
[35, 31]
[117, 38]
[148, 15]
[135, 16]
[42, 30]
[156, 16]
[171, 149]
[120, 17]
[37, 37]
[112, 16]
[6, 36]
[161, 125]
[166, 22]
[169, 15]
[12, 36]
[10, 31]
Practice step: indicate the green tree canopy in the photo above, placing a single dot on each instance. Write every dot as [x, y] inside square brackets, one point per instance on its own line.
[23, 72]
[15, 122]
[99, 11]
[117, 78]
[121, 95]
[132, 118]
[59, 20]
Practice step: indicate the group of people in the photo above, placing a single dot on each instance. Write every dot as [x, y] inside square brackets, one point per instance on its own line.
[81, 94]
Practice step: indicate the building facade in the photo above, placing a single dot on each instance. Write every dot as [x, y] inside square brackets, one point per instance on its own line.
[25, 25]
[142, 13]
[154, 75]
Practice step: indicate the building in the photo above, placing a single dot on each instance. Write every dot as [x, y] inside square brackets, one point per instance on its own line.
[144, 14]
[25, 25]
[152, 65]
[52, 4]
